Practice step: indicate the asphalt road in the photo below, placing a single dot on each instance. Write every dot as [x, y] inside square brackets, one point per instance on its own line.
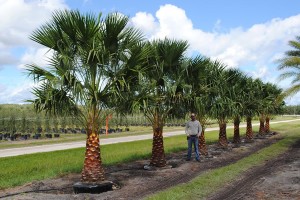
[72, 145]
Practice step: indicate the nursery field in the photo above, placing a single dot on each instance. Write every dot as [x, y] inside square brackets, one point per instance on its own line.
[257, 167]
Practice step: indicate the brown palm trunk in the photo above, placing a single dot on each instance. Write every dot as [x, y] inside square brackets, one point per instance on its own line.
[158, 154]
[158, 158]
[262, 125]
[236, 131]
[267, 125]
[222, 135]
[202, 143]
[92, 170]
[249, 132]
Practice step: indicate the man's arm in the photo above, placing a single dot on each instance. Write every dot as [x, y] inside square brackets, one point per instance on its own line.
[187, 129]
[199, 130]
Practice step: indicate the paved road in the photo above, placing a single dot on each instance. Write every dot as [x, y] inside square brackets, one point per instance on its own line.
[71, 145]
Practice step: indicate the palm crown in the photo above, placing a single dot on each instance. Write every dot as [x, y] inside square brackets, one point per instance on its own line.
[91, 56]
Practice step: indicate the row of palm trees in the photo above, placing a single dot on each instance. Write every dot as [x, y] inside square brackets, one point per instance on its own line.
[100, 63]
[230, 95]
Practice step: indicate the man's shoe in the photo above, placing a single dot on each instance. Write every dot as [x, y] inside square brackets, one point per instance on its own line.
[198, 160]
[188, 159]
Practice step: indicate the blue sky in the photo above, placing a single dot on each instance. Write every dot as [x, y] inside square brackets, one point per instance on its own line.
[247, 34]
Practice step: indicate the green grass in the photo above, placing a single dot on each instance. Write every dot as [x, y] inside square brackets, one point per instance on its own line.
[19, 170]
[210, 181]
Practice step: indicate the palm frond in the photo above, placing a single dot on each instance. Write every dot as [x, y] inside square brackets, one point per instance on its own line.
[292, 90]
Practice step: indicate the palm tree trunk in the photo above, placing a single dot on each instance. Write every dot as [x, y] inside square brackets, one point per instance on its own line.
[158, 158]
[236, 131]
[222, 135]
[249, 132]
[202, 143]
[158, 154]
[262, 125]
[92, 170]
[267, 125]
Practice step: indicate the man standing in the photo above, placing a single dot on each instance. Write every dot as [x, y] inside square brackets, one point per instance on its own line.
[193, 130]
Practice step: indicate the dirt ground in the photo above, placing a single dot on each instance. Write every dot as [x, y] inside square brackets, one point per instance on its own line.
[277, 179]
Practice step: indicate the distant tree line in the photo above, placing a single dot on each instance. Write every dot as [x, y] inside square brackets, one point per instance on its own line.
[22, 119]
[292, 110]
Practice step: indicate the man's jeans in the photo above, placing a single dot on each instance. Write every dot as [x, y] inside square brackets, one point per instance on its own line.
[193, 140]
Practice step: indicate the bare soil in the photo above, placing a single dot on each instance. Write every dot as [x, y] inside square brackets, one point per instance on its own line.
[278, 179]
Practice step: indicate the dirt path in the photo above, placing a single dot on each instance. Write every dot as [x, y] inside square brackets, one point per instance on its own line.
[277, 179]
[132, 181]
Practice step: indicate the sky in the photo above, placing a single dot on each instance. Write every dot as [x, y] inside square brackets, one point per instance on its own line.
[247, 34]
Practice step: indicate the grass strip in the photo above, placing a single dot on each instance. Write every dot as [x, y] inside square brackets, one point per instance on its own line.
[210, 181]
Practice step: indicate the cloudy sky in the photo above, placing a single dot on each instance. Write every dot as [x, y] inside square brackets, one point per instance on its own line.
[247, 34]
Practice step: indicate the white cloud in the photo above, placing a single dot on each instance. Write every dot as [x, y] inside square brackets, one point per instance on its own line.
[145, 22]
[259, 46]
[260, 73]
[7, 58]
[19, 19]
[22, 17]
[16, 95]
[173, 22]
[293, 100]
[36, 56]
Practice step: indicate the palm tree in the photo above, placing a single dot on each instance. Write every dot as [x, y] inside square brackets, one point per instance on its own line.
[291, 63]
[237, 97]
[222, 103]
[262, 96]
[198, 96]
[160, 88]
[270, 102]
[273, 105]
[90, 55]
[250, 104]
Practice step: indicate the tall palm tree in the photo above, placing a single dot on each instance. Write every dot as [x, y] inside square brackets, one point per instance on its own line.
[90, 55]
[263, 98]
[160, 88]
[273, 104]
[198, 96]
[270, 102]
[291, 63]
[237, 96]
[222, 103]
[250, 104]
